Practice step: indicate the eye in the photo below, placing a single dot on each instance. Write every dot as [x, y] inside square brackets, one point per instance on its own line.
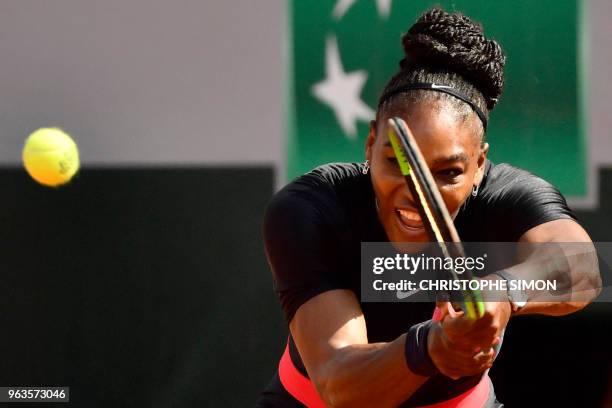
[450, 174]
[392, 160]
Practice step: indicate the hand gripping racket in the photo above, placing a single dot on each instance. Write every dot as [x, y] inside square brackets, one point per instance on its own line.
[431, 207]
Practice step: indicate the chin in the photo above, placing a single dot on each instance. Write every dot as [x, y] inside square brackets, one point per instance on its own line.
[410, 247]
[415, 236]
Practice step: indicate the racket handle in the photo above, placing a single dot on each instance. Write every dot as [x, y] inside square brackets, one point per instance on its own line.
[473, 309]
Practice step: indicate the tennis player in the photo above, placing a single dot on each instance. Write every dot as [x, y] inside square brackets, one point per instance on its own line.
[345, 353]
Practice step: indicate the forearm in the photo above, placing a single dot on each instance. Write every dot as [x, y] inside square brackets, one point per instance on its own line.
[551, 308]
[368, 375]
[572, 267]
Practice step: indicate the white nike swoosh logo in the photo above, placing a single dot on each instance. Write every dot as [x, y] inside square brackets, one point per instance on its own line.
[435, 86]
[404, 295]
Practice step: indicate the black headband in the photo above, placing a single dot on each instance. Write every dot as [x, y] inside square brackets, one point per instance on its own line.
[439, 88]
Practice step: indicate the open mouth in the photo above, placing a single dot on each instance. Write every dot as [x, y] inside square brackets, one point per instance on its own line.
[409, 219]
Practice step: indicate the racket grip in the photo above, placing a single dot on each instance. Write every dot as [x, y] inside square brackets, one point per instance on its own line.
[473, 309]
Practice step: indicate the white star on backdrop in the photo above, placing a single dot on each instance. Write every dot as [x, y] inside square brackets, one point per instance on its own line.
[341, 90]
[342, 6]
[384, 7]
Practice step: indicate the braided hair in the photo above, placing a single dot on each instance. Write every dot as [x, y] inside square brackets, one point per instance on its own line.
[451, 50]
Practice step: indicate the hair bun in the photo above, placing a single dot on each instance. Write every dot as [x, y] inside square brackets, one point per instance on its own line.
[453, 42]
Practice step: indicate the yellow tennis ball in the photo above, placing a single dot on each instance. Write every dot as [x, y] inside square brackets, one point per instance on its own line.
[50, 156]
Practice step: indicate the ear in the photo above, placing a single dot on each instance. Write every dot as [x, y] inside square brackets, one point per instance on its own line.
[370, 140]
[482, 159]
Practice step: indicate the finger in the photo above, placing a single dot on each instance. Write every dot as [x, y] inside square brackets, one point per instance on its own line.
[445, 309]
[483, 341]
[485, 367]
[467, 362]
[463, 353]
[457, 370]
[484, 357]
[456, 325]
[462, 333]
[486, 320]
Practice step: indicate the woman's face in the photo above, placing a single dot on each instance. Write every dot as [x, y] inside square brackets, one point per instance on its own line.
[452, 148]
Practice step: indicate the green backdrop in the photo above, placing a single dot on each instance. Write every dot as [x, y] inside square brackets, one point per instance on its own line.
[537, 125]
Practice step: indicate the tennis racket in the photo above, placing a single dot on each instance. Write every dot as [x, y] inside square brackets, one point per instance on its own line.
[431, 207]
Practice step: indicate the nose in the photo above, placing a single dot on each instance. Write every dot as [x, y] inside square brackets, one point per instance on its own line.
[407, 199]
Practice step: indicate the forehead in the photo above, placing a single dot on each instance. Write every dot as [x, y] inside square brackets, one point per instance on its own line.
[438, 130]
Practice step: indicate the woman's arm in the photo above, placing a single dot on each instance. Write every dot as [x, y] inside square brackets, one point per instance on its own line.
[578, 266]
[330, 333]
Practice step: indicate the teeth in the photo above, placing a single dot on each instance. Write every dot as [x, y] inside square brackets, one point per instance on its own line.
[409, 215]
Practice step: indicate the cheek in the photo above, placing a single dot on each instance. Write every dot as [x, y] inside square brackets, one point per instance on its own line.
[385, 182]
[454, 201]
[385, 187]
[455, 195]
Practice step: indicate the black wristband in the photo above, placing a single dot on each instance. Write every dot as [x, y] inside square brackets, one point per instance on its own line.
[415, 350]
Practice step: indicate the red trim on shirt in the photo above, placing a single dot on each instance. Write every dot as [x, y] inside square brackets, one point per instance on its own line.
[302, 389]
